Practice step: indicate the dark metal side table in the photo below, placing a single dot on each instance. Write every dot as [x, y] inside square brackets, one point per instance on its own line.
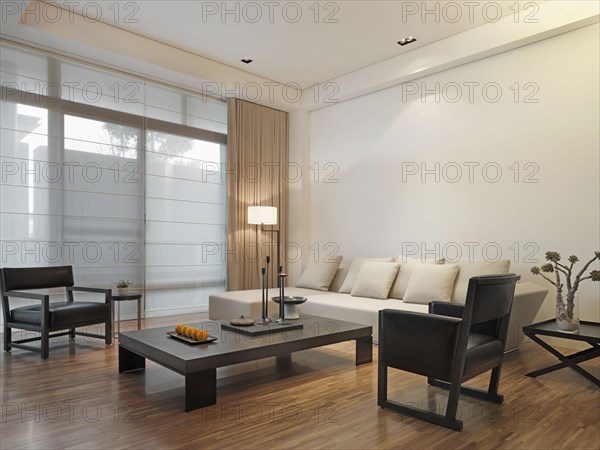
[589, 332]
[118, 298]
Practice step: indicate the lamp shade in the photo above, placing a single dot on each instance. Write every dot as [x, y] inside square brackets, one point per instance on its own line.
[266, 215]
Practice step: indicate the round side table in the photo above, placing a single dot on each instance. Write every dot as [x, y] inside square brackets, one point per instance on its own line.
[132, 295]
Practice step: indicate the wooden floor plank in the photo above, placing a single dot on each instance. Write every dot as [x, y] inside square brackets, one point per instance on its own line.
[77, 399]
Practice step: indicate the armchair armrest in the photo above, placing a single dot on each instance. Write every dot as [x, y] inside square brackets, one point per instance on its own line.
[418, 342]
[89, 289]
[107, 292]
[29, 295]
[45, 299]
[446, 309]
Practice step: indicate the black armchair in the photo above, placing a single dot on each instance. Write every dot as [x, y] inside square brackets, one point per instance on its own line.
[450, 345]
[48, 317]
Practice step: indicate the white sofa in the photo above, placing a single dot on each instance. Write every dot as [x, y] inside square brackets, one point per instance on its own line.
[227, 305]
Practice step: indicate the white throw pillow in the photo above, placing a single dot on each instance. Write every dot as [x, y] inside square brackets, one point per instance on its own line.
[352, 274]
[430, 282]
[375, 279]
[468, 269]
[319, 275]
[406, 265]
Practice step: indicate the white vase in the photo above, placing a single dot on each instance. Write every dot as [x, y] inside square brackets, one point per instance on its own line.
[567, 321]
[123, 291]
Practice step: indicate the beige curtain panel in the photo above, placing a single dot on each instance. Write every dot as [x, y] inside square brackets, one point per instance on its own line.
[257, 164]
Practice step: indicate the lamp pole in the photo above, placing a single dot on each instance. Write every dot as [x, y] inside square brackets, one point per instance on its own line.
[279, 268]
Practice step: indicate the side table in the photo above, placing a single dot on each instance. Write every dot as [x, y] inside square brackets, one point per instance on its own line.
[118, 298]
[589, 332]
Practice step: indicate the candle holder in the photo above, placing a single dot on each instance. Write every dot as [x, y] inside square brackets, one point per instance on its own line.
[281, 320]
[268, 259]
[265, 299]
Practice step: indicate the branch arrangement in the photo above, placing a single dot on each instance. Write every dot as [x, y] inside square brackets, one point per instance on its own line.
[565, 311]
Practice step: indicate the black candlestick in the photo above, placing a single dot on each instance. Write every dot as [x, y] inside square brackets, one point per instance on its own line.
[281, 320]
[265, 319]
[267, 298]
[279, 266]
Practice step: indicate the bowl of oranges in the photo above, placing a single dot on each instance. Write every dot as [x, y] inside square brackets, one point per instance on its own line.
[191, 335]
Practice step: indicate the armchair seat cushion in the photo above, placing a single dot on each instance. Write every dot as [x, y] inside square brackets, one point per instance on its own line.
[483, 352]
[62, 314]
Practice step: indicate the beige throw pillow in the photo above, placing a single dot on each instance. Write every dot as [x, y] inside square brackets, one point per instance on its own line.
[355, 267]
[406, 265]
[375, 279]
[319, 275]
[430, 282]
[468, 269]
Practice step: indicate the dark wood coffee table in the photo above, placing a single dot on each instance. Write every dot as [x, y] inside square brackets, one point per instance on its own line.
[199, 363]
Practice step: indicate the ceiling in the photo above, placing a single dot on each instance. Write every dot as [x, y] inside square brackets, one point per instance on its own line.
[302, 42]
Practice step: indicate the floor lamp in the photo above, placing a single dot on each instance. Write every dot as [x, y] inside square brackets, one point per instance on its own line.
[265, 215]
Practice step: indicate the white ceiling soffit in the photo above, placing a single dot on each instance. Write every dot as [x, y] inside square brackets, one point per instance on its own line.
[551, 18]
[44, 26]
[319, 54]
[295, 42]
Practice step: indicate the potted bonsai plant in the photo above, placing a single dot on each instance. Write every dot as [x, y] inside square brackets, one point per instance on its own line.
[123, 286]
[566, 318]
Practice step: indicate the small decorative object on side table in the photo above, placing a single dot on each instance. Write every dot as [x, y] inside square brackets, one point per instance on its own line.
[123, 286]
[589, 332]
[567, 319]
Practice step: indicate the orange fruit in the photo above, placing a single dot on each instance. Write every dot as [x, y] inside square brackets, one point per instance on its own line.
[191, 332]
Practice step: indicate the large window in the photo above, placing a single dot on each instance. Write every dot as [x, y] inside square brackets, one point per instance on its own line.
[114, 176]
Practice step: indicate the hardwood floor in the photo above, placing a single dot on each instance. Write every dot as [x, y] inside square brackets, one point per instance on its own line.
[77, 399]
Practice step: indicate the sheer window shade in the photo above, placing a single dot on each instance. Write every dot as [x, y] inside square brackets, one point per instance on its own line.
[185, 216]
[120, 195]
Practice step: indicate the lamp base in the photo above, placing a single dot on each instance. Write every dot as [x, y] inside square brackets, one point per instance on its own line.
[263, 321]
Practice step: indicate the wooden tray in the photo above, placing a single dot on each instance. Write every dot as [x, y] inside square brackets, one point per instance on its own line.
[175, 335]
[258, 330]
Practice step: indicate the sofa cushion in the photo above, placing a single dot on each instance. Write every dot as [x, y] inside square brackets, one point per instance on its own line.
[406, 264]
[375, 279]
[431, 282]
[319, 275]
[468, 269]
[353, 271]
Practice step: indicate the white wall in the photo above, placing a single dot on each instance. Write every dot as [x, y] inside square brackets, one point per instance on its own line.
[374, 139]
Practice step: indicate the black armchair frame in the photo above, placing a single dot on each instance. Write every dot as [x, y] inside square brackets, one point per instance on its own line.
[64, 279]
[443, 336]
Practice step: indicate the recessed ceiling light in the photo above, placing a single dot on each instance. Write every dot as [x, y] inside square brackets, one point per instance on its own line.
[246, 60]
[407, 40]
